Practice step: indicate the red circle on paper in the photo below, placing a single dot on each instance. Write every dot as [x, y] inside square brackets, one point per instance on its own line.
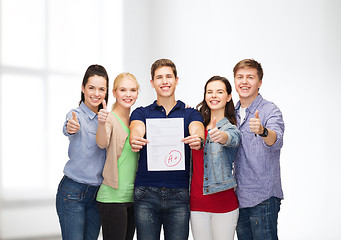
[173, 158]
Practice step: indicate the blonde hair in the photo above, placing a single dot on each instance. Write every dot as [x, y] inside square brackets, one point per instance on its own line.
[119, 78]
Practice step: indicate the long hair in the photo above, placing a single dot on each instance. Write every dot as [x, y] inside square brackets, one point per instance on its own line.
[95, 70]
[204, 109]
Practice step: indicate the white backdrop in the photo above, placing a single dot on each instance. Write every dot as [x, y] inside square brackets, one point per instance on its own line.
[297, 42]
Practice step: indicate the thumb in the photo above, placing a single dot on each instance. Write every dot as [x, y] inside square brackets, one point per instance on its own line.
[74, 116]
[257, 114]
[214, 123]
[104, 103]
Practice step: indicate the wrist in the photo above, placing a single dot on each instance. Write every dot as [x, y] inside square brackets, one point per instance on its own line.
[202, 142]
[265, 132]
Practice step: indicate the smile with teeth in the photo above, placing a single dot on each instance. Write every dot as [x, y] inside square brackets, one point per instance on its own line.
[214, 102]
[95, 99]
[165, 87]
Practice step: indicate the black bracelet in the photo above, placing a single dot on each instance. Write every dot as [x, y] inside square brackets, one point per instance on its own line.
[202, 142]
[265, 132]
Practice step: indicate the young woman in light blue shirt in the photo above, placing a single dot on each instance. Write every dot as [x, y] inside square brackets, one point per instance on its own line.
[76, 197]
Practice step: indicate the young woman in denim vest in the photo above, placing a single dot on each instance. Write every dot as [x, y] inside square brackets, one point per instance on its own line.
[214, 205]
[76, 197]
[115, 196]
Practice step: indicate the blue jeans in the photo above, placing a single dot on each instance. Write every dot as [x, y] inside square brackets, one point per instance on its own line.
[77, 210]
[259, 222]
[155, 207]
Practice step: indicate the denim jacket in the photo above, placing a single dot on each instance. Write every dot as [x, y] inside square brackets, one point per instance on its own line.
[219, 158]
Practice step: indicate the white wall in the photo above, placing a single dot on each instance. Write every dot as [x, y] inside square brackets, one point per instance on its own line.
[298, 44]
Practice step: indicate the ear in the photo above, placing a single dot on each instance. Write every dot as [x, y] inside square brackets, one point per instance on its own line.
[177, 81]
[259, 84]
[114, 93]
[82, 88]
[152, 83]
[229, 97]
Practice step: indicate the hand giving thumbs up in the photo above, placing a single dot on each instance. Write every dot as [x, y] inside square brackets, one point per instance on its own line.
[255, 124]
[216, 135]
[103, 113]
[72, 125]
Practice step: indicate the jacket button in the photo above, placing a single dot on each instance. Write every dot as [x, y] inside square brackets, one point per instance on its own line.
[205, 165]
[206, 179]
[206, 190]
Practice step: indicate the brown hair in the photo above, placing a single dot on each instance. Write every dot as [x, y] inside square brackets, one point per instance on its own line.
[163, 63]
[249, 63]
[229, 107]
[95, 70]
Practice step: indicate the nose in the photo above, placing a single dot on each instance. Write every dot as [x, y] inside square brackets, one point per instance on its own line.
[244, 80]
[164, 80]
[97, 92]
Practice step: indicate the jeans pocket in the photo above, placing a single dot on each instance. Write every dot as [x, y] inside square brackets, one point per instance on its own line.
[183, 195]
[139, 193]
[69, 194]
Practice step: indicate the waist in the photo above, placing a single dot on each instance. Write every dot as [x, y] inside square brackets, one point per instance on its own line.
[67, 182]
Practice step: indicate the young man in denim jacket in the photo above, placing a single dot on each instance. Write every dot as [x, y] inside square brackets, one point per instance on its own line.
[257, 166]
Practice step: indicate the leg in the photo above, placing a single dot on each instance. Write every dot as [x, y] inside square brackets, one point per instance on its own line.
[263, 218]
[114, 220]
[176, 214]
[259, 222]
[224, 225]
[70, 209]
[130, 222]
[147, 207]
[93, 220]
[201, 225]
[244, 231]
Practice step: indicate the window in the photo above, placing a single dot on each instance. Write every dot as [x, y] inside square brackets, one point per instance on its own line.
[45, 48]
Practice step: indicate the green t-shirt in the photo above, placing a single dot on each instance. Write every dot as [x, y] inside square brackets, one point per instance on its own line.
[127, 165]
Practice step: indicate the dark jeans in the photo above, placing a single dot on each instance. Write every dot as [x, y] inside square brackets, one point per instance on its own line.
[77, 210]
[156, 207]
[259, 222]
[118, 221]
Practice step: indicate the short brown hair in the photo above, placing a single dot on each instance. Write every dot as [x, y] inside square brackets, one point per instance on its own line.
[249, 63]
[163, 63]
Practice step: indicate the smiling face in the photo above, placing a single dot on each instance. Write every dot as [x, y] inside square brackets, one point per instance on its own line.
[164, 82]
[94, 92]
[126, 92]
[247, 85]
[216, 95]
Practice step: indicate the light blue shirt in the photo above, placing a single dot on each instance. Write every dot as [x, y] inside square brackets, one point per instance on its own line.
[86, 159]
[257, 165]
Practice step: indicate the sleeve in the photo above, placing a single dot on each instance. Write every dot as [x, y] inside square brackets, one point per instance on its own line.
[234, 136]
[274, 121]
[104, 140]
[194, 115]
[138, 114]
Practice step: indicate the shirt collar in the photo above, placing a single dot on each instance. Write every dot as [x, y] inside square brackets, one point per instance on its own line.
[87, 111]
[254, 105]
[179, 104]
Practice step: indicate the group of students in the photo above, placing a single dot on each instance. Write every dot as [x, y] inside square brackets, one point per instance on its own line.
[231, 177]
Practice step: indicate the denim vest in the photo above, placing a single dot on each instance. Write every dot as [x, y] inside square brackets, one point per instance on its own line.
[219, 158]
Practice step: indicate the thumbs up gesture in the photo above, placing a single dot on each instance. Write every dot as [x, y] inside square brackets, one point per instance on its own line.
[103, 113]
[72, 125]
[216, 135]
[255, 124]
